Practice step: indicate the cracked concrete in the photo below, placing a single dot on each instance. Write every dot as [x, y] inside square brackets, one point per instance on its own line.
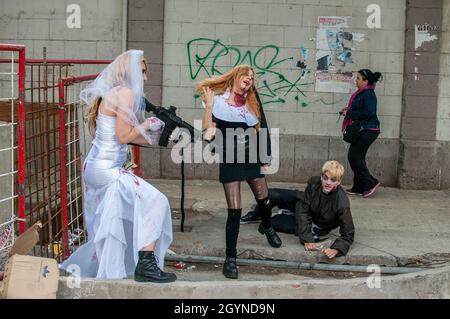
[430, 284]
[393, 228]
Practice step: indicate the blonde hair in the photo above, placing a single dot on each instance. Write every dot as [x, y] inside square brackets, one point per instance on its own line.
[119, 76]
[92, 116]
[334, 168]
[226, 81]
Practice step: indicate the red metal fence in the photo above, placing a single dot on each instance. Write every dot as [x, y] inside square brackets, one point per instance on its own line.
[43, 161]
[12, 142]
[71, 136]
[47, 142]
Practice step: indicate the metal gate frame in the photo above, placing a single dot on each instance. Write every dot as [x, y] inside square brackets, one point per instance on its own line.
[63, 86]
[20, 49]
[56, 85]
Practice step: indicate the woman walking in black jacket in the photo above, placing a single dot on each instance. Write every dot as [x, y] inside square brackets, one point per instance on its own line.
[362, 108]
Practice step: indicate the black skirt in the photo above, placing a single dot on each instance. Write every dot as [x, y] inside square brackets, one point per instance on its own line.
[232, 172]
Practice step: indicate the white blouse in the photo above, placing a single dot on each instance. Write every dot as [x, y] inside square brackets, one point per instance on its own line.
[226, 112]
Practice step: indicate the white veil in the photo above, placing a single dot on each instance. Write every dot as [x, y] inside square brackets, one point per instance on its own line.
[121, 86]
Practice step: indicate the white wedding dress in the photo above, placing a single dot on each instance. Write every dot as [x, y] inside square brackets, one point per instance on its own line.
[123, 213]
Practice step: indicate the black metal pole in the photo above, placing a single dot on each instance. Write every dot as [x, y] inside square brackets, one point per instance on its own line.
[182, 191]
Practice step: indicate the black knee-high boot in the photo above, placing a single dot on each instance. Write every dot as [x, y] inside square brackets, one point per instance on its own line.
[265, 227]
[231, 236]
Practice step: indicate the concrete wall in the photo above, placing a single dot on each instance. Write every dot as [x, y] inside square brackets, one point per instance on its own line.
[424, 150]
[145, 32]
[186, 41]
[443, 112]
[277, 29]
[39, 23]
[443, 109]
[43, 23]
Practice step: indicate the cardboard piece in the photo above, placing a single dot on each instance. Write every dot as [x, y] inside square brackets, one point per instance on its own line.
[29, 277]
[25, 242]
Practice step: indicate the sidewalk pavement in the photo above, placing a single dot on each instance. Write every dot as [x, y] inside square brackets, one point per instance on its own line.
[394, 227]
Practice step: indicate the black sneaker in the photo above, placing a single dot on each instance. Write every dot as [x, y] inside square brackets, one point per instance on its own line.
[251, 217]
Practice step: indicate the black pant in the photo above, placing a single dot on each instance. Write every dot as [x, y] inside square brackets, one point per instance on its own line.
[283, 198]
[287, 199]
[362, 180]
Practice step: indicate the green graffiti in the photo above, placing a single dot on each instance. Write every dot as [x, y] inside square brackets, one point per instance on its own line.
[215, 58]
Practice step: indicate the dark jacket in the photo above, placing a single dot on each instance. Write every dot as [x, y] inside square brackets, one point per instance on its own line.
[364, 109]
[327, 211]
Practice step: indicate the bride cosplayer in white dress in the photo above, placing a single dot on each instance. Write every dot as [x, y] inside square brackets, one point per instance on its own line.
[128, 220]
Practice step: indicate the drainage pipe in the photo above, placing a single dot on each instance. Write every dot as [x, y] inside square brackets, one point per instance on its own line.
[294, 264]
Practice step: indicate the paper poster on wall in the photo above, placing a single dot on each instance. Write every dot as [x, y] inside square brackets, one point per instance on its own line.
[335, 82]
[422, 34]
[333, 22]
[334, 54]
[334, 45]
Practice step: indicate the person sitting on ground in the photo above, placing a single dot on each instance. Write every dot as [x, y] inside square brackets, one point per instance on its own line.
[322, 207]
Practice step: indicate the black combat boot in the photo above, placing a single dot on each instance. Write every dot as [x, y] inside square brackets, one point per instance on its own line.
[272, 236]
[147, 269]
[265, 227]
[229, 268]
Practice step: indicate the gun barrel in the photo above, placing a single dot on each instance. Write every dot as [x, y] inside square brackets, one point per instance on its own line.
[169, 116]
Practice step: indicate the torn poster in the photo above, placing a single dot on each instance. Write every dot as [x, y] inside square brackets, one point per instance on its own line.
[422, 35]
[335, 82]
[333, 22]
[303, 62]
[334, 54]
[334, 45]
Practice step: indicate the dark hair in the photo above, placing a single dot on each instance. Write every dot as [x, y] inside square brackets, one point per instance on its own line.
[370, 76]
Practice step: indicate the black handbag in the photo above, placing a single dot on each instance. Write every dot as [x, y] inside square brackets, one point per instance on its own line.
[351, 132]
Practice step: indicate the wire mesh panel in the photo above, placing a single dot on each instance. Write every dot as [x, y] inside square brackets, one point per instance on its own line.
[45, 181]
[41, 194]
[47, 189]
[11, 142]
[75, 138]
